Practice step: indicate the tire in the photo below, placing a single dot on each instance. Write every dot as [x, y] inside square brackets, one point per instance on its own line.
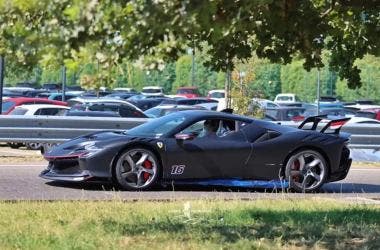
[15, 145]
[33, 145]
[137, 169]
[306, 171]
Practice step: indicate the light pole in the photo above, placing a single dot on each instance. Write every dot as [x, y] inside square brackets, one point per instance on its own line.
[2, 65]
[318, 90]
[192, 66]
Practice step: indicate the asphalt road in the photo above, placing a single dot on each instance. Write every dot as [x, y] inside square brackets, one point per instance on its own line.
[21, 182]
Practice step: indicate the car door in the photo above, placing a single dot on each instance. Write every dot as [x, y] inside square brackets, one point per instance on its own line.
[222, 156]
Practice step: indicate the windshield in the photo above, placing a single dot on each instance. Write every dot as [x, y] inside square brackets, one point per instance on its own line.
[217, 95]
[18, 111]
[136, 98]
[158, 127]
[152, 91]
[153, 112]
[7, 105]
[186, 91]
[284, 98]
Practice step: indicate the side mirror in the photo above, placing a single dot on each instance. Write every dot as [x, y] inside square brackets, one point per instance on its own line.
[184, 137]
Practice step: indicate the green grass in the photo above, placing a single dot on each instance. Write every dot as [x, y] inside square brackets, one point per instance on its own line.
[213, 224]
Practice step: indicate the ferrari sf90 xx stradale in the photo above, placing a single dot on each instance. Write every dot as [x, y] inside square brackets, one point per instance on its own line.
[207, 148]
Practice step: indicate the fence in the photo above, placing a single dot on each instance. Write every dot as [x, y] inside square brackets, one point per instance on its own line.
[56, 129]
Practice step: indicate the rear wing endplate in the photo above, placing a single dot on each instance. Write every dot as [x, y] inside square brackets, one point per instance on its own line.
[334, 125]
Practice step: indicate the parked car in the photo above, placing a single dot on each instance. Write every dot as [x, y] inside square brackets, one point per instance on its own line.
[214, 106]
[362, 106]
[84, 99]
[39, 109]
[287, 99]
[36, 109]
[189, 101]
[188, 92]
[327, 99]
[129, 90]
[122, 95]
[59, 96]
[145, 102]
[373, 113]
[123, 108]
[10, 103]
[362, 120]
[219, 95]
[92, 113]
[52, 87]
[264, 103]
[162, 110]
[330, 112]
[216, 94]
[153, 91]
[285, 113]
[35, 92]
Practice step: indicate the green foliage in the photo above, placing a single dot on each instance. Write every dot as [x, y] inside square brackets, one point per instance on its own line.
[200, 224]
[370, 75]
[267, 83]
[161, 31]
[183, 72]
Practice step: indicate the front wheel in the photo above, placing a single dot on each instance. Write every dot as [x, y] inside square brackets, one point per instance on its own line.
[306, 171]
[137, 169]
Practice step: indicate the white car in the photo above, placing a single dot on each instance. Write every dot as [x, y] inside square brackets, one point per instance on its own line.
[264, 103]
[358, 107]
[361, 120]
[153, 91]
[124, 90]
[219, 95]
[39, 109]
[286, 99]
[36, 109]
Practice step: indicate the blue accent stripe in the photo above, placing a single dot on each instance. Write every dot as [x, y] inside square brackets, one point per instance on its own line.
[238, 183]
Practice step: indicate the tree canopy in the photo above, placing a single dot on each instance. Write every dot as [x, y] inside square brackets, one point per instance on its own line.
[109, 31]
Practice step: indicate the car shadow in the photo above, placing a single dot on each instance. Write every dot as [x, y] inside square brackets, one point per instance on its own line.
[327, 188]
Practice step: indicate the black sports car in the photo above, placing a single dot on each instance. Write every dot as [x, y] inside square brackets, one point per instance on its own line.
[207, 148]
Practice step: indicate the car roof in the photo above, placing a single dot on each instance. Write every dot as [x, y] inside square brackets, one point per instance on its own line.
[190, 87]
[374, 110]
[20, 100]
[99, 100]
[175, 106]
[39, 106]
[93, 113]
[152, 87]
[216, 90]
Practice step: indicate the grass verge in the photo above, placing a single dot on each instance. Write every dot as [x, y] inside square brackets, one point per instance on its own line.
[262, 224]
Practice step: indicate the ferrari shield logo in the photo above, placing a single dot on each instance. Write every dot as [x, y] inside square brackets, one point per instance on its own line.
[160, 144]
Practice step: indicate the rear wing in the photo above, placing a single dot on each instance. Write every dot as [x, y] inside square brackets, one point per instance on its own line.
[334, 125]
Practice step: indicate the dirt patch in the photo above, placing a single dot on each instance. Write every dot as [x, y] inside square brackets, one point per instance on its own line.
[20, 156]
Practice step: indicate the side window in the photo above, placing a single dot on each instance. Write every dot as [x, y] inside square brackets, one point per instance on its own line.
[48, 111]
[213, 128]
[129, 112]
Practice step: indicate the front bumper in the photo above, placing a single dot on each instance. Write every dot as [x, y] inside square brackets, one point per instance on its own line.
[76, 177]
[66, 170]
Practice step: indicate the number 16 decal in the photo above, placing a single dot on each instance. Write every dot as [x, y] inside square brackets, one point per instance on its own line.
[178, 169]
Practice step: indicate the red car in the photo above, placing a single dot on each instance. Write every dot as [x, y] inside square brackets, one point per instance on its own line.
[188, 92]
[373, 113]
[11, 103]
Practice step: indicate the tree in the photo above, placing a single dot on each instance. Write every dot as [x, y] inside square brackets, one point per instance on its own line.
[277, 30]
[163, 30]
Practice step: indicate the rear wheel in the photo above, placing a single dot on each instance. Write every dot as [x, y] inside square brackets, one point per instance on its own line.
[33, 145]
[306, 171]
[137, 169]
